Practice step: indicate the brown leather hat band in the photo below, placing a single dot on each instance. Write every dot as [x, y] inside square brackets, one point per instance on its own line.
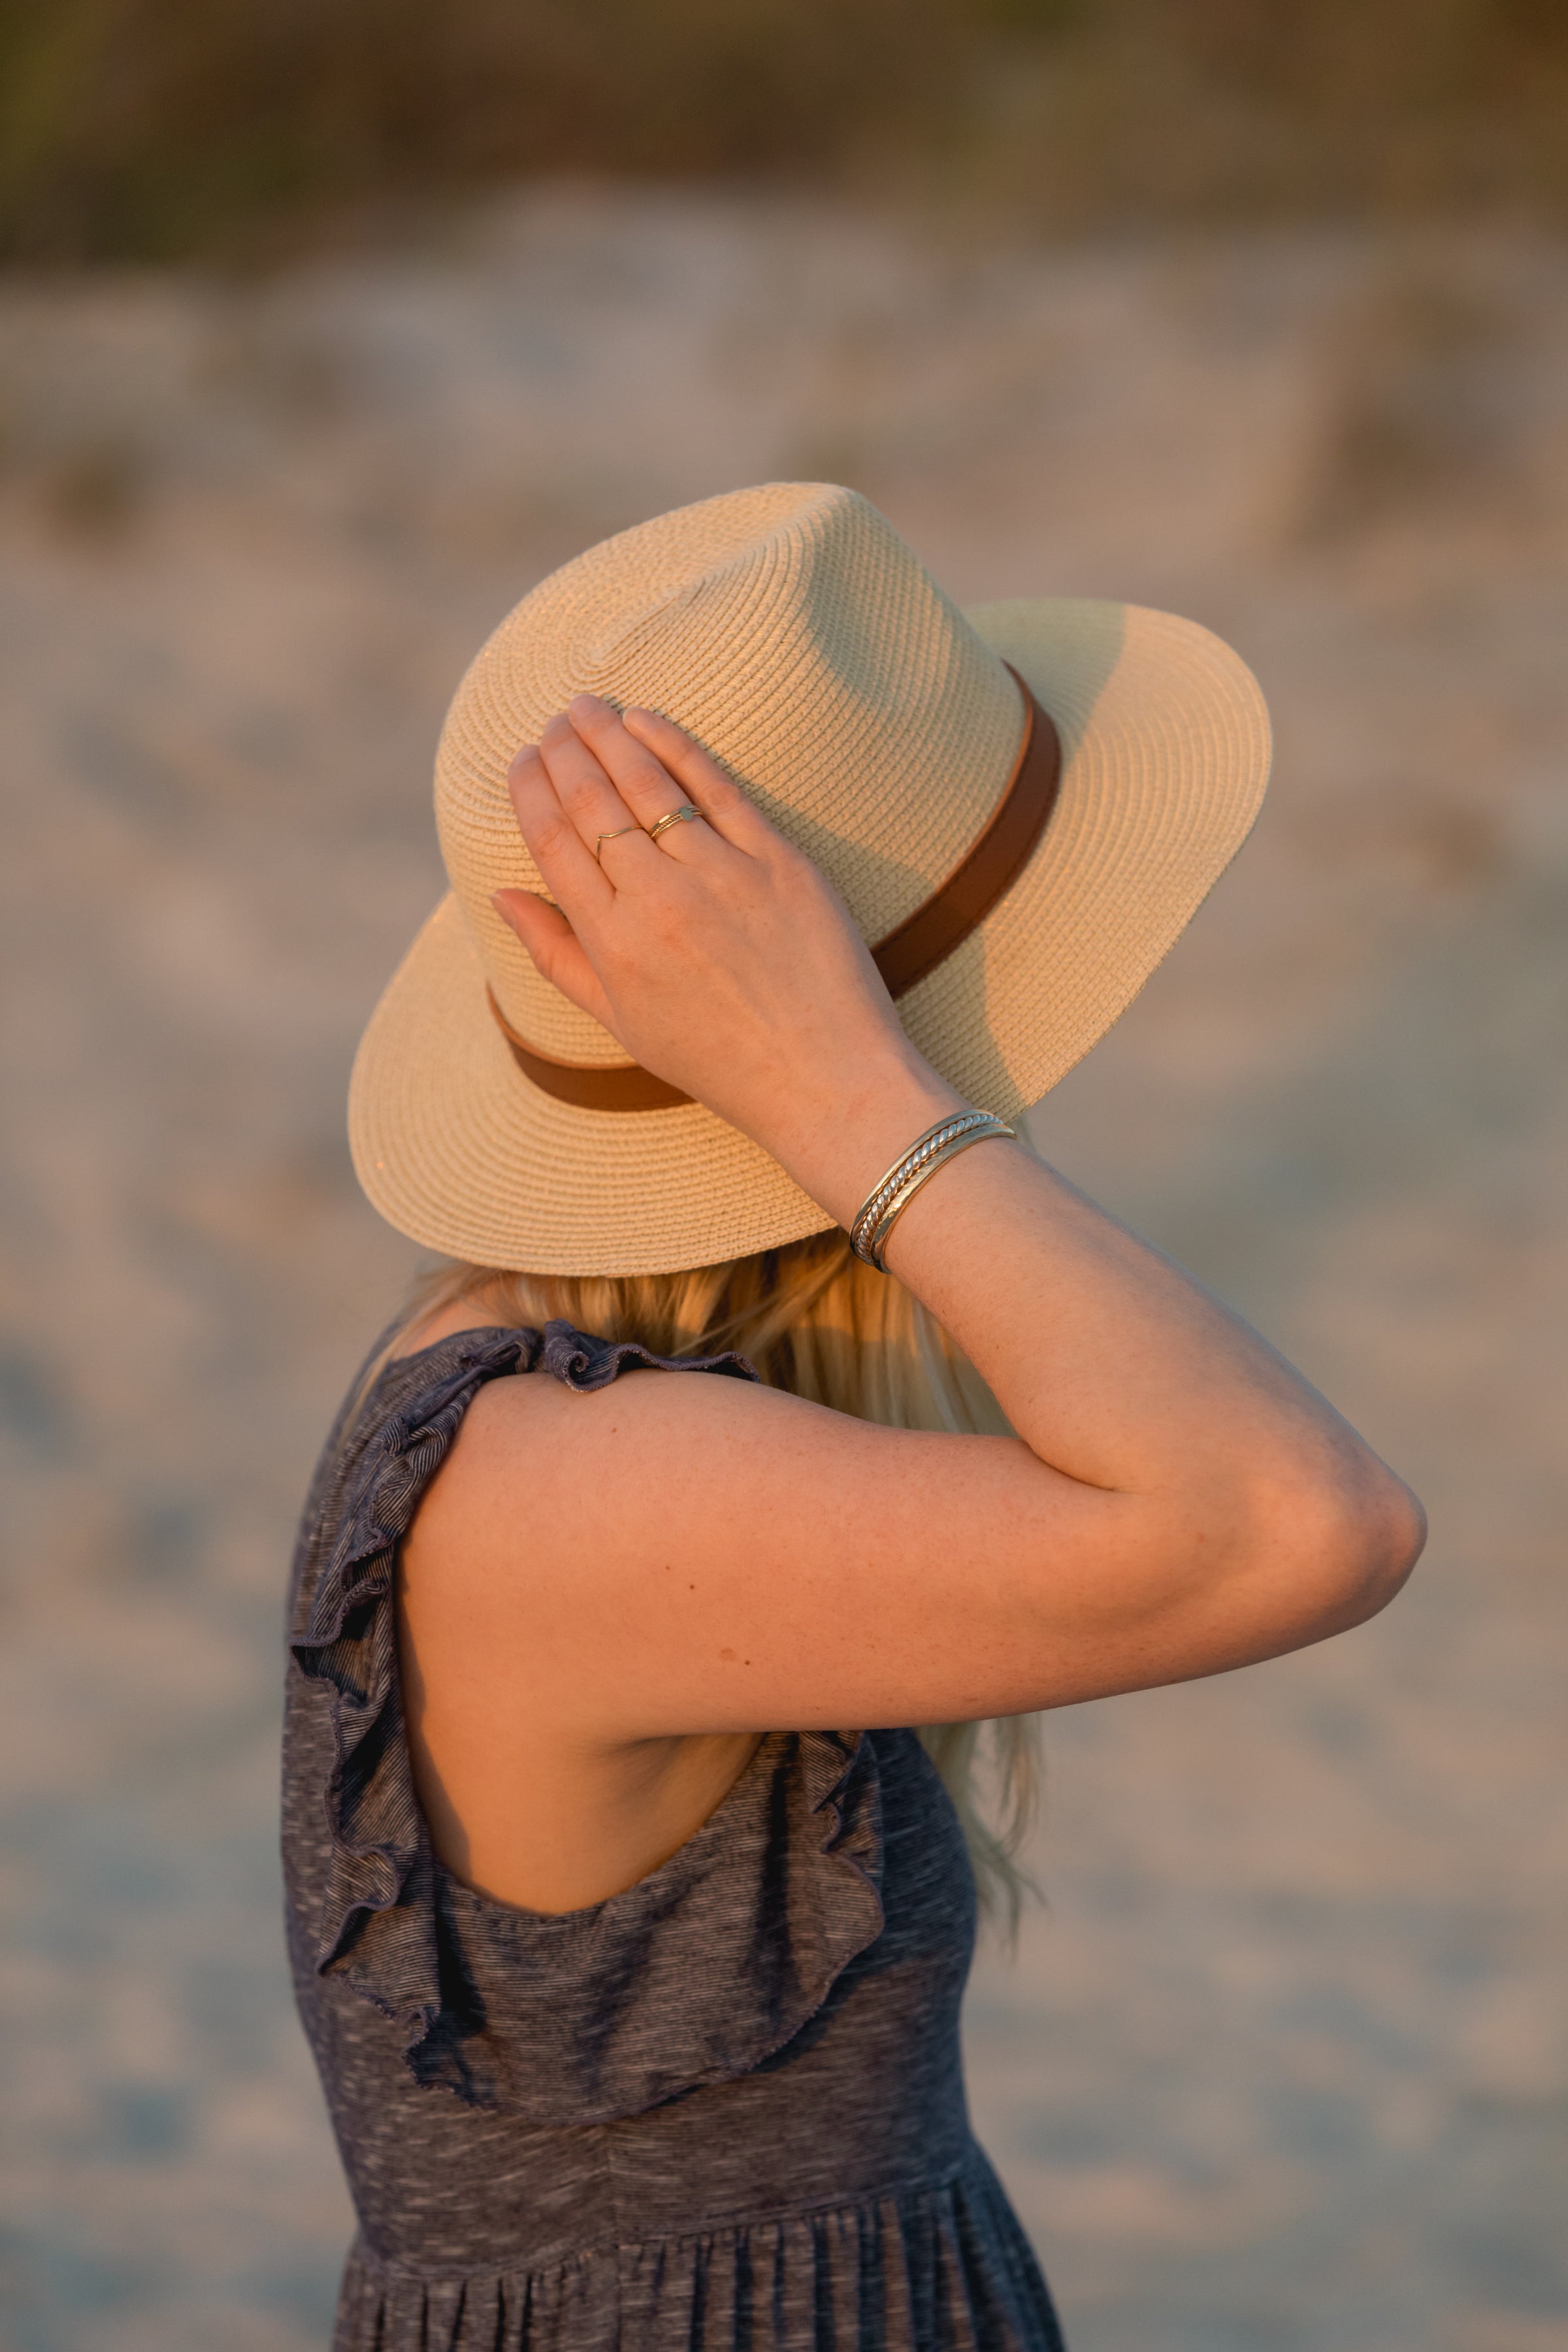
[996, 857]
[920, 942]
[626, 1086]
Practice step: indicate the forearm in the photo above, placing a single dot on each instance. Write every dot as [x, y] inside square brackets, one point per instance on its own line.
[1115, 1367]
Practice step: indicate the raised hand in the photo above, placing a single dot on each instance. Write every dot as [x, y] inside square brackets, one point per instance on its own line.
[718, 955]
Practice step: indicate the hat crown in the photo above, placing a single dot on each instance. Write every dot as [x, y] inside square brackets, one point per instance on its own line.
[790, 630]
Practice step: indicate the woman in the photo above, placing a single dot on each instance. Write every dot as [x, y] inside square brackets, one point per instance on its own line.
[776, 1386]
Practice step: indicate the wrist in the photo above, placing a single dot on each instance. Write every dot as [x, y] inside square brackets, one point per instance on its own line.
[841, 1143]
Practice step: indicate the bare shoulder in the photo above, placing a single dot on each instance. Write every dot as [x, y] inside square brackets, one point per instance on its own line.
[650, 1450]
[545, 1750]
[684, 1553]
[612, 1475]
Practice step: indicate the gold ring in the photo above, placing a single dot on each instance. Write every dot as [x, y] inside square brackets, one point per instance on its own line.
[677, 816]
[614, 836]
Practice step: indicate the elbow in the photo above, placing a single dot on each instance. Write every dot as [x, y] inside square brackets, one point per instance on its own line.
[1348, 1542]
[1293, 1555]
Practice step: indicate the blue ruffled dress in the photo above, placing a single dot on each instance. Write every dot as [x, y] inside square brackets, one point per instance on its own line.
[724, 2109]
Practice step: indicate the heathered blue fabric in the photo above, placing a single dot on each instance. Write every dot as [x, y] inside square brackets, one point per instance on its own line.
[724, 2109]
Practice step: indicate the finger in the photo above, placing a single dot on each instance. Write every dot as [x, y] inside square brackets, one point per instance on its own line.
[638, 774]
[726, 807]
[554, 949]
[571, 873]
[588, 797]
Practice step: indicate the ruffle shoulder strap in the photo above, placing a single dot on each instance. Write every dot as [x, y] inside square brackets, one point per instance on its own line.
[381, 1929]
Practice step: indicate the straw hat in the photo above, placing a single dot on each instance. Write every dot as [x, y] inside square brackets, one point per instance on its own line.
[793, 633]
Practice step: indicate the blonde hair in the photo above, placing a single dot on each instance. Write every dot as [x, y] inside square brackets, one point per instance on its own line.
[813, 1319]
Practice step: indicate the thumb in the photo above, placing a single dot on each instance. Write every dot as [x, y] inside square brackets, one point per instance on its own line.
[554, 949]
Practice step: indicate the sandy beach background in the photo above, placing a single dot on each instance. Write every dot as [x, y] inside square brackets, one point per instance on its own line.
[1283, 2066]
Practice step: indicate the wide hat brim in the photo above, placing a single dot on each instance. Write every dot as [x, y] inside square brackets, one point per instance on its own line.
[1165, 754]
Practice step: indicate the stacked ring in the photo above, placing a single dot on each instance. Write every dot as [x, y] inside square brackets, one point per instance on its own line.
[677, 816]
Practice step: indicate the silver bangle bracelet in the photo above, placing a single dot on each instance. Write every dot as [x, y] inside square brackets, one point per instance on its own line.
[876, 1242]
[917, 1153]
[887, 1201]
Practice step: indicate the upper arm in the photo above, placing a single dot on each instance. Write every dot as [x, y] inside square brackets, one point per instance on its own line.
[681, 1554]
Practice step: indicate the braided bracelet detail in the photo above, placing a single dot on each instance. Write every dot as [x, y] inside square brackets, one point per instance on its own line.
[887, 1200]
[920, 1151]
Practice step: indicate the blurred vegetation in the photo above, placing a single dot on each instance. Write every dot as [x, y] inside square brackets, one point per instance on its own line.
[153, 129]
